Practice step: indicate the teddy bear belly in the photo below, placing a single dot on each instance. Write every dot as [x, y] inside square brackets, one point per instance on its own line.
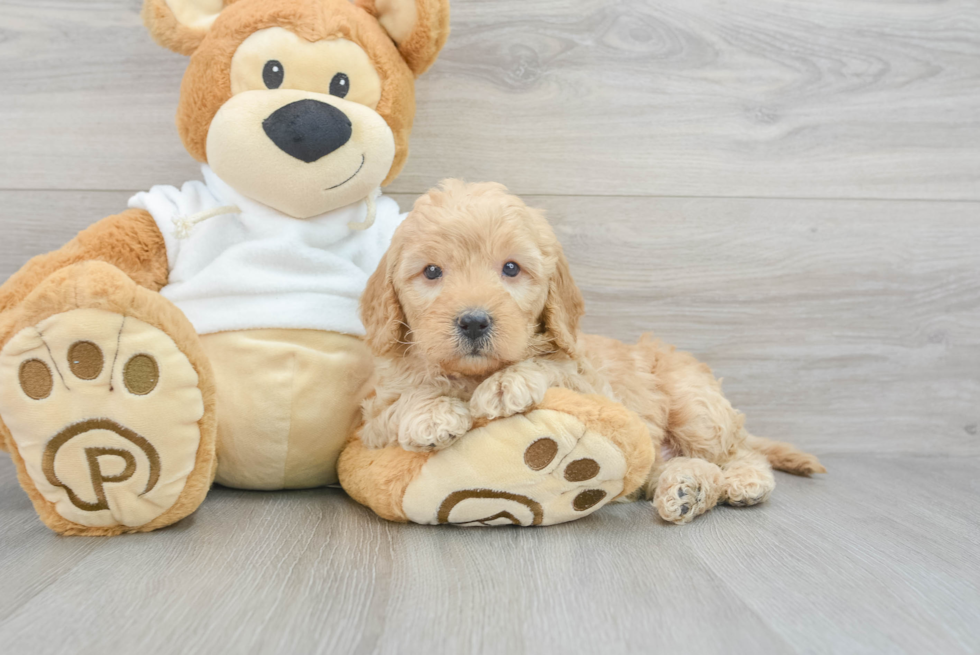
[287, 400]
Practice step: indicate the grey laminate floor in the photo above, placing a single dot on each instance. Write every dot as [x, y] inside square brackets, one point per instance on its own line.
[790, 189]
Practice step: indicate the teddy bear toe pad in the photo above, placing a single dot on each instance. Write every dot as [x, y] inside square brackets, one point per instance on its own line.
[541, 468]
[103, 410]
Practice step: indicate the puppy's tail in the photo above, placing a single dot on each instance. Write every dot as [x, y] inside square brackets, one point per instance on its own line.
[784, 457]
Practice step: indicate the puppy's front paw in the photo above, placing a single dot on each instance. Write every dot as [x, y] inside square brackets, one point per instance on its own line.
[508, 392]
[435, 425]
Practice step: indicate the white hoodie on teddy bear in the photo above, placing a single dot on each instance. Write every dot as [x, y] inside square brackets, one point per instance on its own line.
[260, 268]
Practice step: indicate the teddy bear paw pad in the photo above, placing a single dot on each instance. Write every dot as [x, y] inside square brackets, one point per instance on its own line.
[103, 410]
[541, 468]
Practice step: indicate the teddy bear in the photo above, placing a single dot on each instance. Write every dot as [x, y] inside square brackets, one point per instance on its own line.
[211, 334]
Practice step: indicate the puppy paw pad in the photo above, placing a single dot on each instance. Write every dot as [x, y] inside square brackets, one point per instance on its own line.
[679, 501]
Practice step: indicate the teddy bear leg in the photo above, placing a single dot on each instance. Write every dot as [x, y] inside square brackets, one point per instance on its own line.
[287, 401]
[559, 462]
[106, 402]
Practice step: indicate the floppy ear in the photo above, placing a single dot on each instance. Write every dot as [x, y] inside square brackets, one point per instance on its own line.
[181, 25]
[563, 308]
[418, 27]
[381, 312]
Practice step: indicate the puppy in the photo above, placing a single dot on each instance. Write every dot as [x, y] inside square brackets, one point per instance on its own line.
[473, 315]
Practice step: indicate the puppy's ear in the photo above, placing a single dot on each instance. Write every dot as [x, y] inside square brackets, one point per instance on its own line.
[418, 27]
[563, 308]
[381, 312]
[180, 25]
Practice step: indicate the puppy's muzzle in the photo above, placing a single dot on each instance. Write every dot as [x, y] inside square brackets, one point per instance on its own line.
[308, 129]
[474, 326]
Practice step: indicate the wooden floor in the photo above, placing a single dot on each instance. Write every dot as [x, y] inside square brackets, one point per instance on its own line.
[790, 189]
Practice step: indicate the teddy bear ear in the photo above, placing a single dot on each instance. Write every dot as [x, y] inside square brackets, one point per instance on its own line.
[181, 25]
[418, 27]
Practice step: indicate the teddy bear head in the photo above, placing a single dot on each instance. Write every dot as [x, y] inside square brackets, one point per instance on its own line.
[302, 105]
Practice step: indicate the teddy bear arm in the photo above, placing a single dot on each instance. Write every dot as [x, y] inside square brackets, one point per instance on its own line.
[130, 241]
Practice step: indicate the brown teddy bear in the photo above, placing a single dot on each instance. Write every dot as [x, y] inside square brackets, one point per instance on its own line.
[211, 332]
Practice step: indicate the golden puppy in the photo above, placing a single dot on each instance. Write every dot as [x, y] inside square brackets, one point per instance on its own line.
[473, 315]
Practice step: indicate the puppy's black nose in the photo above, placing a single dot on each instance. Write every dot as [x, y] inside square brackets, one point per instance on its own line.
[474, 325]
[308, 129]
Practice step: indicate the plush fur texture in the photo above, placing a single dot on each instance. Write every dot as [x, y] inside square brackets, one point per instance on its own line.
[614, 422]
[100, 285]
[130, 241]
[378, 478]
[170, 32]
[433, 381]
[418, 43]
[207, 86]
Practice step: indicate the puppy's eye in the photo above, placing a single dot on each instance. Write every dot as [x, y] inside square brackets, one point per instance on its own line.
[432, 272]
[340, 85]
[272, 74]
[511, 269]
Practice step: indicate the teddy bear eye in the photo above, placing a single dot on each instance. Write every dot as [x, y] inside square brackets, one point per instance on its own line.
[340, 85]
[432, 272]
[272, 74]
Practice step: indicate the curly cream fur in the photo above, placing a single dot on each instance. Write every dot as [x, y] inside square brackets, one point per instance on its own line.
[431, 386]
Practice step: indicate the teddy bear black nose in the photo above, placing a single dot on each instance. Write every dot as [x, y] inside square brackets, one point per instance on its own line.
[308, 129]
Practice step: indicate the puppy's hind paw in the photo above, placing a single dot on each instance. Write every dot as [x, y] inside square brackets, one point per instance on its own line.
[681, 501]
[436, 425]
[687, 489]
